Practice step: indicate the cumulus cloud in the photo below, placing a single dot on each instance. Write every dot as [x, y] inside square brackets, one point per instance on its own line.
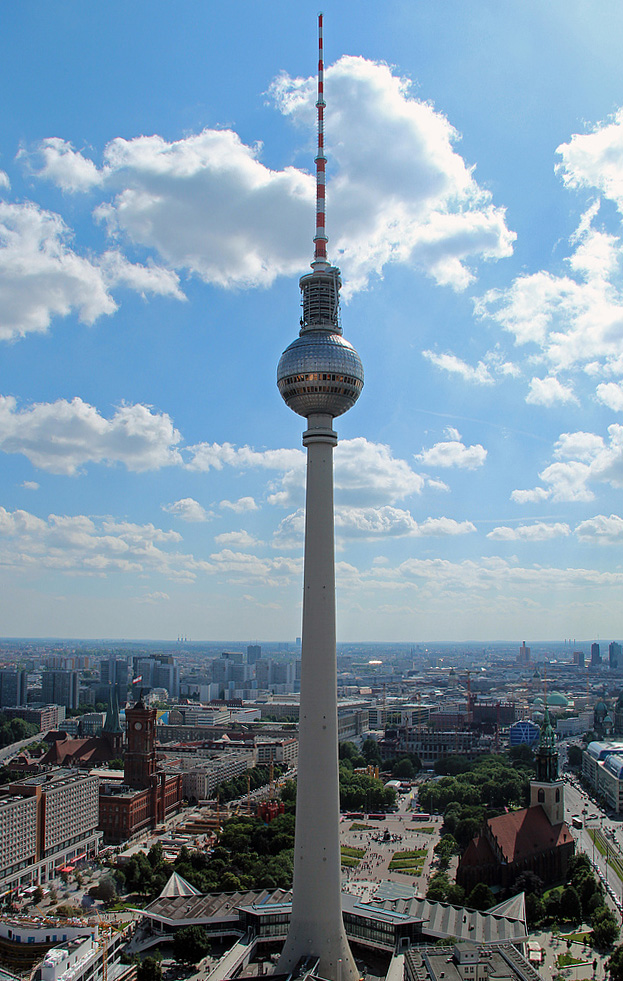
[207, 203]
[453, 453]
[572, 319]
[82, 545]
[188, 510]
[549, 391]
[208, 456]
[4, 181]
[601, 529]
[611, 394]
[366, 475]
[455, 366]
[57, 161]
[540, 531]
[586, 458]
[30, 485]
[372, 523]
[422, 204]
[595, 159]
[63, 436]
[237, 539]
[242, 504]
[42, 277]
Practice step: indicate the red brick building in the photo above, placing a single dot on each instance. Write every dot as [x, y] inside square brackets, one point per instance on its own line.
[147, 795]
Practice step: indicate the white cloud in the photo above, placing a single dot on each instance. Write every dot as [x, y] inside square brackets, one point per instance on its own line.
[611, 394]
[81, 545]
[596, 159]
[532, 496]
[371, 524]
[588, 458]
[237, 539]
[59, 163]
[41, 277]
[154, 598]
[63, 436]
[549, 391]
[455, 366]
[4, 181]
[415, 199]
[538, 532]
[207, 456]
[578, 446]
[242, 504]
[30, 485]
[188, 510]
[453, 453]
[574, 319]
[118, 271]
[207, 204]
[601, 530]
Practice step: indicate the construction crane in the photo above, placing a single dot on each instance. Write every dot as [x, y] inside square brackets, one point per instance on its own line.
[104, 931]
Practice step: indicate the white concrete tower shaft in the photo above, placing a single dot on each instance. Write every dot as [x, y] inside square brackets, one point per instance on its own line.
[316, 926]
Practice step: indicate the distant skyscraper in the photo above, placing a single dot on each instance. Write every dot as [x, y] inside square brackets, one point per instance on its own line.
[12, 687]
[595, 655]
[615, 656]
[254, 653]
[524, 654]
[578, 658]
[60, 688]
[320, 376]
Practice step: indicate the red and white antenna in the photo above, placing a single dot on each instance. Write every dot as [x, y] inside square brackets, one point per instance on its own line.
[320, 239]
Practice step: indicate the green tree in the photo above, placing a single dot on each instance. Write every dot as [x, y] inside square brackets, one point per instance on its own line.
[149, 969]
[438, 888]
[191, 944]
[570, 905]
[574, 756]
[535, 909]
[370, 751]
[605, 927]
[614, 964]
[404, 769]
[480, 897]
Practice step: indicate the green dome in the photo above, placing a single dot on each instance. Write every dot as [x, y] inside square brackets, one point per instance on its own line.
[557, 699]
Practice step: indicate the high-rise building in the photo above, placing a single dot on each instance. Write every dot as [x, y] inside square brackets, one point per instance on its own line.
[615, 655]
[46, 821]
[13, 686]
[320, 376]
[60, 688]
[524, 654]
[254, 653]
[595, 655]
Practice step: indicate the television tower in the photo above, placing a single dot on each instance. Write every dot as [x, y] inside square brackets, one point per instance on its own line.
[320, 376]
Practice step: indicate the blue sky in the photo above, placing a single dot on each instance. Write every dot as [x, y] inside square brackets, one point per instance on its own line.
[156, 211]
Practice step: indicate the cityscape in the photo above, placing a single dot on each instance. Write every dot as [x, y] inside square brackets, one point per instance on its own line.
[377, 797]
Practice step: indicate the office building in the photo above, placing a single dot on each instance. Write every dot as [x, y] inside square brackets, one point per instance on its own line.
[254, 653]
[60, 688]
[13, 687]
[595, 655]
[47, 822]
[615, 656]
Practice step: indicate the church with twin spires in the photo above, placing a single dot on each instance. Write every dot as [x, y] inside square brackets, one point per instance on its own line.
[534, 839]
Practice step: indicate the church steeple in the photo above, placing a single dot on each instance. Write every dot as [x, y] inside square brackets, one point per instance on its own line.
[547, 788]
[547, 754]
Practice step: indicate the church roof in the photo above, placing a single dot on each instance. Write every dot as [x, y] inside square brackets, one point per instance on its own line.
[93, 749]
[521, 834]
[177, 886]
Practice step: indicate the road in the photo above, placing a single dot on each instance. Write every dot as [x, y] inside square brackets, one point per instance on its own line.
[15, 748]
[578, 804]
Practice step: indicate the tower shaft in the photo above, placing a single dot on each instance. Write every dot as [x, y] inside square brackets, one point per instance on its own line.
[316, 925]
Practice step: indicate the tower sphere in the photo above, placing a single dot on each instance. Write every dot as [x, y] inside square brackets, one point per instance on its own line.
[320, 372]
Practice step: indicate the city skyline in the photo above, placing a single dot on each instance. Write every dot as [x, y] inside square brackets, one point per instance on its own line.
[156, 212]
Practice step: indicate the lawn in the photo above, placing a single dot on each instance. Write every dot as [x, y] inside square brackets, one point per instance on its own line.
[352, 852]
[357, 826]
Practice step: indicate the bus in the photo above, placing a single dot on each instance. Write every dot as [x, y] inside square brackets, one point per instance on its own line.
[420, 816]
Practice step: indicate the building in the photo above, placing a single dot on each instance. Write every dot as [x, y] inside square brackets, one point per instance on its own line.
[277, 751]
[523, 733]
[595, 655]
[254, 653]
[82, 959]
[61, 687]
[320, 376]
[534, 839]
[615, 656]
[147, 795]
[524, 654]
[47, 822]
[47, 717]
[13, 687]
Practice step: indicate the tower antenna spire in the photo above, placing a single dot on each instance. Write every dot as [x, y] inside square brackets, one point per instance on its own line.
[320, 238]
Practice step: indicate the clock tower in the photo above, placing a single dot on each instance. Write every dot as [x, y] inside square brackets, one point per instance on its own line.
[140, 757]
